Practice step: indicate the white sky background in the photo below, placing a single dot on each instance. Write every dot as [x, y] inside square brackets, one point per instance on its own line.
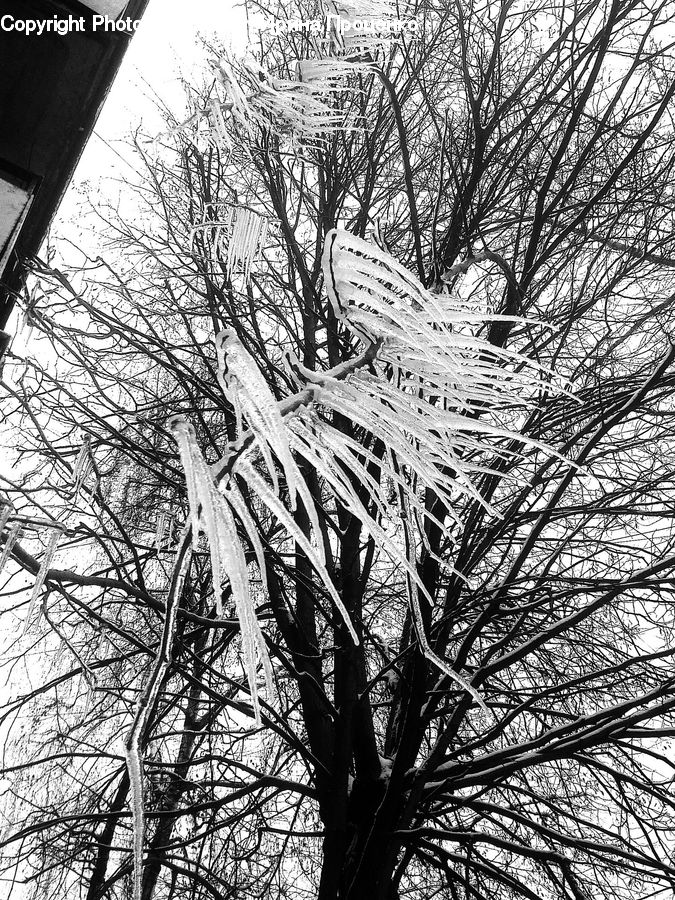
[165, 47]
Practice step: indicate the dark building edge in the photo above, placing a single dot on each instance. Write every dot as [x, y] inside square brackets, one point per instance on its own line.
[51, 192]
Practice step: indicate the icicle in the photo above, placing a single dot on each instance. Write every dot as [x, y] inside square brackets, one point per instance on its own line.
[202, 498]
[219, 127]
[212, 513]
[82, 468]
[290, 108]
[133, 749]
[326, 467]
[135, 770]
[328, 74]
[372, 9]
[262, 491]
[238, 370]
[27, 327]
[184, 436]
[247, 234]
[353, 42]
[13, 536]
[413, 597]
[163, 531]
[7, 511]
[226, 75]
[239, 505]
[45, 565]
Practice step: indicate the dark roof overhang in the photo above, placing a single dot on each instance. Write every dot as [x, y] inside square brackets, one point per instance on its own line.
[52, 88]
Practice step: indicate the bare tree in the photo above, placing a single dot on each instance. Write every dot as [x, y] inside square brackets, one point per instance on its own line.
[510, 738]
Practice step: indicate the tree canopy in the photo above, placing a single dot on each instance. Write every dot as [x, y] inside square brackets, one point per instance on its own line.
[341, 535]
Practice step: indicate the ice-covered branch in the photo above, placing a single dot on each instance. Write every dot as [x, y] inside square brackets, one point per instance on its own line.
[425, 386]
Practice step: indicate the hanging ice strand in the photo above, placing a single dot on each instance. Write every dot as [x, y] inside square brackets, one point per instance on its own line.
[81, 468]
[5, 516]
[211, 512]
[45, 565]
[290, 108]
[247, 236]
[144, 710]
[10, 541]
[244, 385]
[163, 531]
[219, 126]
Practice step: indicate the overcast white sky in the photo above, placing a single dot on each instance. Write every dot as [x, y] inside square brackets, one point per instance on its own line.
[165, 45]
[166, 41]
